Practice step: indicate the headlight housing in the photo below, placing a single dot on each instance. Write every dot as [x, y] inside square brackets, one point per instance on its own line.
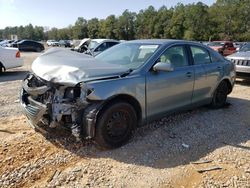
[72, 93]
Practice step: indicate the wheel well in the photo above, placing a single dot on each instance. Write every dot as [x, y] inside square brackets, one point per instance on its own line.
[229, 85]
[125, 98]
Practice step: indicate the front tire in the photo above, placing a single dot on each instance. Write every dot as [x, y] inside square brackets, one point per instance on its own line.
[220, 95]
[115, 125]
[1, 68]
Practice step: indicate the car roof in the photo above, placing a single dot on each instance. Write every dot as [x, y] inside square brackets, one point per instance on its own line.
[28, 41]
[161, 41]
[224, 41]
[102, 40]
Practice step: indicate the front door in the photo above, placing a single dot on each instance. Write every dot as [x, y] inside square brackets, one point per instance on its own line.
[168, 91]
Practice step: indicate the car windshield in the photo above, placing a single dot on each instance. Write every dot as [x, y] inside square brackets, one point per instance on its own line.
[93, 44]
[21, 41]
[130, 55]
[215, 44]
[245, 48]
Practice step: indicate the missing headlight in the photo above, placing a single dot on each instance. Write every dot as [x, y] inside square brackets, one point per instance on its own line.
[72, 93]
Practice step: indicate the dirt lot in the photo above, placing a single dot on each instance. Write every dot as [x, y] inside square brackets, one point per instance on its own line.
[161, 154]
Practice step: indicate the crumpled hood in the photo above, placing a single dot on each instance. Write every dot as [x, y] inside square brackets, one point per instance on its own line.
[69, 68]
[240, 55]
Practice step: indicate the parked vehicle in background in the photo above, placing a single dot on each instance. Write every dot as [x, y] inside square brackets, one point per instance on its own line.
[206, 43]
[64, 43]
[82, 46]
[241, 59]
[52, 43]
[240, 45]
[29, 45]
[223, 47]
[97, 46]
[6, 43]
[9, 58]
[94, 46]
[12, 43]
[107, 96]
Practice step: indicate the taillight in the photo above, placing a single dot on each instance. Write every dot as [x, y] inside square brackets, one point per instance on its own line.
[18, 54]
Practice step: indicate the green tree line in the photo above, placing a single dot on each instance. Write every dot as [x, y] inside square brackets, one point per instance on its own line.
[224, 20]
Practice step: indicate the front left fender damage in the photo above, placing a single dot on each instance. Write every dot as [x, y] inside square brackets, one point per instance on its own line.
[53, 105]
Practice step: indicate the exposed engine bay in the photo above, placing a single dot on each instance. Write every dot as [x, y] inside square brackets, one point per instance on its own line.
[56, 105]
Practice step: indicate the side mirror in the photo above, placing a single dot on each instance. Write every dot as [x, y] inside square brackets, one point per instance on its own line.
[162, 66]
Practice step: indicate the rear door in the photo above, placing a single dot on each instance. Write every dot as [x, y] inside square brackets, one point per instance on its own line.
[207, 74]
[168, 91]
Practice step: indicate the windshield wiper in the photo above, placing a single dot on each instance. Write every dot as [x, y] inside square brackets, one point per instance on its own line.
[126, 73]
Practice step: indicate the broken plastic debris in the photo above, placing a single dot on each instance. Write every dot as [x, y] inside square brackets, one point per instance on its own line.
[202, 162]
[209, 169]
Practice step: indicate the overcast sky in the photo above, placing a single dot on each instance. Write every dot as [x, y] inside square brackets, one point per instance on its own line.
[61, 13]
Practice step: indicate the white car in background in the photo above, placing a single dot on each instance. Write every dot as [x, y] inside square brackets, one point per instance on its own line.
[52, 43]
[9, 58]
[97, 46]
[6, 43]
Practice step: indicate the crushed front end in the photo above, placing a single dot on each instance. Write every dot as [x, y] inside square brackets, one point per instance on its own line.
[51, 105]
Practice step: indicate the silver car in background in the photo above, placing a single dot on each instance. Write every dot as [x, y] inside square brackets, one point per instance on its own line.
[241, 59]
[106, 97]
[97, 46]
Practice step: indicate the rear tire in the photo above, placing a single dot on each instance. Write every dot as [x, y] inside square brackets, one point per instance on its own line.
[220, 95]
[115, 125]
[38, 49]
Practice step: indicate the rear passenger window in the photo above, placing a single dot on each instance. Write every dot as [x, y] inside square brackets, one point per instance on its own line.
[176, 56]
[200, 55]
[110, 44]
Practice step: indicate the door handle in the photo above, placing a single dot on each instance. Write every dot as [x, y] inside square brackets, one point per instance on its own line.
[189, 74]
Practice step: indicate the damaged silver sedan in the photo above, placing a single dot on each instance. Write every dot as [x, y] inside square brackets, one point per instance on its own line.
[105, 98]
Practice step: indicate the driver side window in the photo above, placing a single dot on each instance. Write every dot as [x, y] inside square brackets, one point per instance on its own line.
[176, 56]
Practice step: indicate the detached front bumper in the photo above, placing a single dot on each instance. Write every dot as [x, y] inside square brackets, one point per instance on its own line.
[34, 110]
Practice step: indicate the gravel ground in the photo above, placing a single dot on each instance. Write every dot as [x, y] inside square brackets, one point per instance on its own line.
[161, 154]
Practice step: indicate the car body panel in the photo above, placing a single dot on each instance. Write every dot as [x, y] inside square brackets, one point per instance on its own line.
[201, 89]
[168, 91]
[132, 85]
[8, 58]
